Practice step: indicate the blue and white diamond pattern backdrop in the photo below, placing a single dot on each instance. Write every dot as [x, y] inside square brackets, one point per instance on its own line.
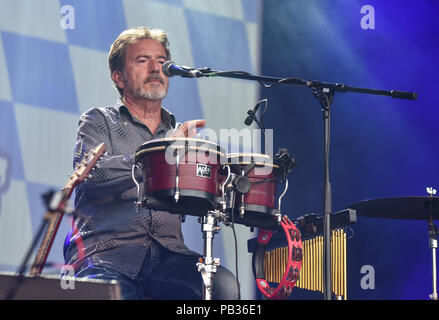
[53, 67]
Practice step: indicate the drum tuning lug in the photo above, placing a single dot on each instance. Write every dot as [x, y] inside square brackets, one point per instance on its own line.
[138, 204]
[277, 216]
[223, 206]
[241, 210]
[177, 195]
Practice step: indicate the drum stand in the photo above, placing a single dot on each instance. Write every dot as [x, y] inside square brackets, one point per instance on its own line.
[432, 243]
[432, 235]
[208, 264]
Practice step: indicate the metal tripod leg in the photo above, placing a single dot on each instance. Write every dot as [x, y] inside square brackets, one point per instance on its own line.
[208, 265]
[433, 247]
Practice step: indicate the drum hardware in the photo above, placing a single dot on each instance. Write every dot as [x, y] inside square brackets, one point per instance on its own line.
[433, 232]
[137, 203]
[207, 265]
[223, 202]
[277, 212]
[242, 186]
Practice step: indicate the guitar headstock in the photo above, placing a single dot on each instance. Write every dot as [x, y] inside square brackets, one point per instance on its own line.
[83, 168]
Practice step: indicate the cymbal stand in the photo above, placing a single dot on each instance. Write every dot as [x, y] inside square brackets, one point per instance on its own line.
[432, 235]
[208, 264]
[432, 243]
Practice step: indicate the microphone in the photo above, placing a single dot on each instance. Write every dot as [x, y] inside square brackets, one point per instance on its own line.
[170, 69]
[251, 115]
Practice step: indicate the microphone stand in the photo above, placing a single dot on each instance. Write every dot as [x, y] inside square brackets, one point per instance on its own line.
[324, 93]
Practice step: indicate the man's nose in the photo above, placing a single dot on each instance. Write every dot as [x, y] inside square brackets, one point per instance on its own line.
[155, 67]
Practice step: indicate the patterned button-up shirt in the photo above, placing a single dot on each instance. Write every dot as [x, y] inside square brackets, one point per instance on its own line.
[112, 233]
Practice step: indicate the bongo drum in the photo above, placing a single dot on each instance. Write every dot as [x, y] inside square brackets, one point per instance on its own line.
[259, 202]
[181, 172]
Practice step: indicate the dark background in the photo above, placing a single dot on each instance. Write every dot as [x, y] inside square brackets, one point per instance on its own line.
[380, 147]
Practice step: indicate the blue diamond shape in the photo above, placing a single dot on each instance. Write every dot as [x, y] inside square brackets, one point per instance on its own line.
[40, 72]
[97, 23]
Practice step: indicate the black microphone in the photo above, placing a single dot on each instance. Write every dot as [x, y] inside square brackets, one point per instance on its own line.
[251, 115]
[170, 69]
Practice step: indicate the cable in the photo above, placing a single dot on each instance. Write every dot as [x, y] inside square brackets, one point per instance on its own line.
[236, 252]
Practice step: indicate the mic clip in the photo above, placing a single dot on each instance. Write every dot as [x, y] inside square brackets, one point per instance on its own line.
[251, 117]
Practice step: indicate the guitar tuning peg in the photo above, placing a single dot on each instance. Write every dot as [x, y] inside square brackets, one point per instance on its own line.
[431, 191]
[89, 176]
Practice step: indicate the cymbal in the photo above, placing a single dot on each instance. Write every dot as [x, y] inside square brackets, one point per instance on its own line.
[411, 208]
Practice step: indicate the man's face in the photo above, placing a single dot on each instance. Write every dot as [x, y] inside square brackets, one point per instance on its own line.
[142, 76]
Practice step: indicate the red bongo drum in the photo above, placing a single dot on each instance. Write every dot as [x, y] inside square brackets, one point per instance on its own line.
[259, 201]
[181, 172]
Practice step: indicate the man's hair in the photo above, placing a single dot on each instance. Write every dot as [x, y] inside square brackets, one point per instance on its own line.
[116, 58]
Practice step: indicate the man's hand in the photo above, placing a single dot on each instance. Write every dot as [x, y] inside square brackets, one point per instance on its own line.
[189, 128]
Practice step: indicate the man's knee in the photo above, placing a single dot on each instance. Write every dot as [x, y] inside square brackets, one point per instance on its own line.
[225, 285]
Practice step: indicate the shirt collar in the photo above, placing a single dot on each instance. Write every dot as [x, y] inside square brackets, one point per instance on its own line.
[167, 117]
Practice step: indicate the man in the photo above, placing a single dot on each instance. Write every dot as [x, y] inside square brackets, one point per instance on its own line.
[144, 251]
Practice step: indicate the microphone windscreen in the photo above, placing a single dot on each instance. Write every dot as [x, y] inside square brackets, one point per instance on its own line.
[165, 68]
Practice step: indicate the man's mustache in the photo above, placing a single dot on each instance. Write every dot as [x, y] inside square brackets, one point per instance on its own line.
[155, 77]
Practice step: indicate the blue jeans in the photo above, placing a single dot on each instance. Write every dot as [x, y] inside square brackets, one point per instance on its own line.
[167, 275]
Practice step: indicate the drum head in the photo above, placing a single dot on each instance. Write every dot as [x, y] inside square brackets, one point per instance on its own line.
[180, 144]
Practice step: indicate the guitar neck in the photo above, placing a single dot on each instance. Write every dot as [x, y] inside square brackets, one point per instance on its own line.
[54, 218]
[54, 221]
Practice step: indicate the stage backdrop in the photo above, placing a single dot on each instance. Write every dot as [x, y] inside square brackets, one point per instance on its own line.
[53, 67]
[380, 147]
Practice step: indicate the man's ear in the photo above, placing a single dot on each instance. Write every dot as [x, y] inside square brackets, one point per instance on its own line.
[118, 79]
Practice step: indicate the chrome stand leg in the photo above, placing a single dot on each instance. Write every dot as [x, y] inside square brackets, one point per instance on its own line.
[208, 265]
